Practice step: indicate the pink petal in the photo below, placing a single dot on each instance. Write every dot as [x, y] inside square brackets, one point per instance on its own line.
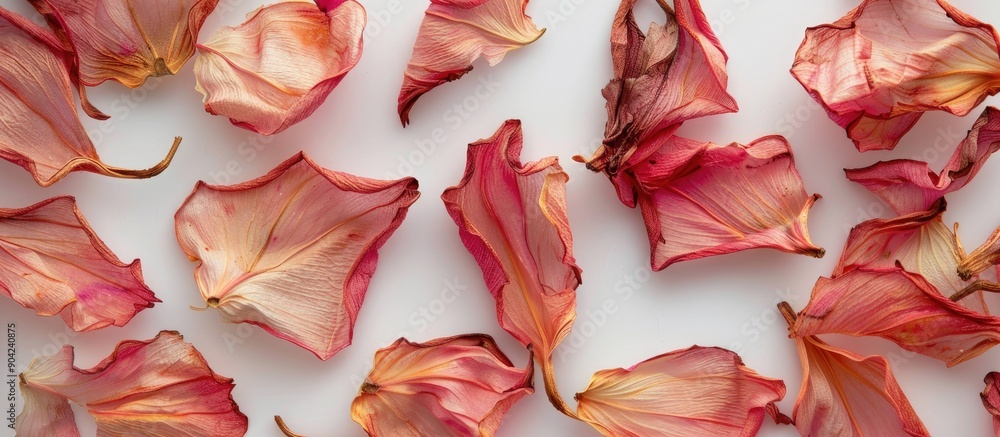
[877, 69]
[161, 386]
[692, 392]
[54, 263]
[279, 66]
[294, 250]
[704, 199]
[453, 34]
[991, 399]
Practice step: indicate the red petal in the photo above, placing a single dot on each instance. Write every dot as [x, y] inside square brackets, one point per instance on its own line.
[991, 399]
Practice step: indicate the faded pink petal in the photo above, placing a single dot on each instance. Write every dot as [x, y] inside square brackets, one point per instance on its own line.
[453, 34]
[909, 186]
[455, 386]
[699, 391]
[41, 130]
[674, 72]
[512, 219]
[877, 69]
[54, 263]
[127, 41]
[279, 66]
[292, 251]
[901, 307]
[991, 399]
[158, 387]
[704, 199]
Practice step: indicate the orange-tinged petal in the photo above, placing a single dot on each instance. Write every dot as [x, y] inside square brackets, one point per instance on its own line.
[453, 34]
[981, 259]
[54, 263]
[292, 251]
[693, 392]
[991, 399]
[279, 66]
[127, 41]
[877, 69]
[158, 388]
[455, 386]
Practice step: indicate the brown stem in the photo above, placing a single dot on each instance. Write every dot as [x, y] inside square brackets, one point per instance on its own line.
[552, 391]
[787, 312]
[979, 285]
[98, 167]
[284, 428]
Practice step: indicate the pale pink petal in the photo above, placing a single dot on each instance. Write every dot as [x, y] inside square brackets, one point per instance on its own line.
[991, 399]
[692, 392]
[279, 66]
[877, 69]
[453, 34]
[294, 250]
[54, 263]
[158, 387]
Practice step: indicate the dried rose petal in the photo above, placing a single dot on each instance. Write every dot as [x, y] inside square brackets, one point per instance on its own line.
[54, 263]
[41, 130]
[901, 307]
[292, 251]
[877, 69]
[674, 72]
[991, 399]
[845, 394]
[512, 219]
[453, 386]
[984, 257]
[909, 186]
[158, 387]
[127, 41]
[453, 34]
[704, 199]
[279, 66]
[696, 391]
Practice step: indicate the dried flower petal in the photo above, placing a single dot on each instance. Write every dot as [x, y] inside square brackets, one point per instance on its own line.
[453, 386]
[292, 251]
[704, 199]
[512, 219]
[909, 186]
[54, 263]
[674, 72]
[901, 307]
[984, 257]
[41, 130]
[158, 387]
[877, 69]
[696, 391]
[127, 41]
[991, 399]
[845, 394]
[453, 34]
[279, 66]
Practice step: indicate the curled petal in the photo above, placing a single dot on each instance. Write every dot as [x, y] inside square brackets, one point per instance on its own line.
[512, 219]
[148, 38]
[910, 186]
[292, 251]
[54, 263]
[279, 66]
[696, 391]
[161, 386]
[453, 34]
[982, 258]
[991, 399]
[460, 385]
[704, 199]
[877, 69]
[901, 307]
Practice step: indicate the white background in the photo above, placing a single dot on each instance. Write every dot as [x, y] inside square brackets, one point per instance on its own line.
[553, 86]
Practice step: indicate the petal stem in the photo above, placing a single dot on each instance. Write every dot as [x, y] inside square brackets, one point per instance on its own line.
[552, 390]
[787, 312]
[284, 428]
[980, 285]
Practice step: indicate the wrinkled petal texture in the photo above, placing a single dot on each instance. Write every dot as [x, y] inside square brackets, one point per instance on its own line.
[53, 262]
[991, 399]
[456, 386]
[909, 186]
[879, 67]
[157, 388]
[453, 34]
[900, 307]
[279, 66]
[703, 199]
[982, 258]
[844, 394]
[692, 392]
[128, 41]
[294, 250]
[512, 219]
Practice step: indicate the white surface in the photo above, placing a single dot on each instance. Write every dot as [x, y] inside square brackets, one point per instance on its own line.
[554, 86]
